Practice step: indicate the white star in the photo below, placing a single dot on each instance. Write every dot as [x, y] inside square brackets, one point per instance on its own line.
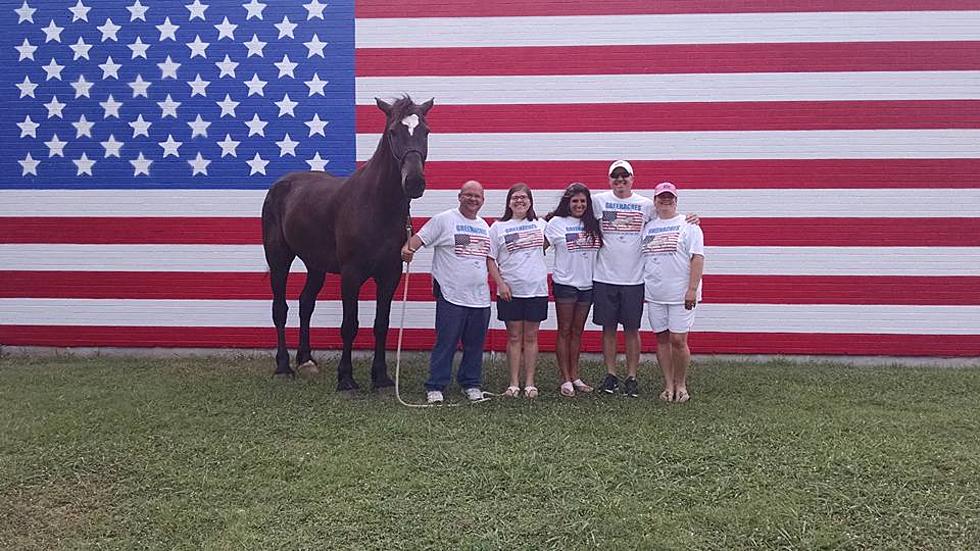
[227, 106]
[196, 9]
[141, 165]
[112, 147]
[226, 29]
[171, 147]
[286, 67]
[28, 127]
[254, 9]
[80, 11]
[82, 87]
[140, 87]
[140, 127]
[168, 68]
[258, 165]
[315, 46]
[169, 107]
[256, 126]
[316, 85]
[286, 27]
[55, 107]
[199, 86]
[53, 70]
[316, 163]
[228, 146]
[227, 67]
[316, 126]
[29, 164]
[315, 9]
[109, 30]
[83, 127]
[52, 32]
[139, 48]
[56, 147]
[137, 11]
[287, 146]
[84, 165]
[286, 106]
[255, 85]
[25, 13]
[199, 165]
[199, 127]
[254, 46]
[198, 47]
[111, 107]
[168, 30]
[26, 50]
[110, 68]
[80, 48]
[27, 88]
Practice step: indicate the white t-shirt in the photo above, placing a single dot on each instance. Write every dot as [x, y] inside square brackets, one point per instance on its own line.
[574, 252]
[622, 220]
[459, 257]
[518, 247]
[667, 249]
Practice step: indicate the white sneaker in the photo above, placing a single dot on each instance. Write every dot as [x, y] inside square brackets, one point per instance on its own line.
[473, 393]
[433, 397]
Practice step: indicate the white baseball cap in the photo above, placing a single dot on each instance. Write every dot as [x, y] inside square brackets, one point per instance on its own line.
[625, 165]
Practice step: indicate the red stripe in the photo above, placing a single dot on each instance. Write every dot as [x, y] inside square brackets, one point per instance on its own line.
[668, 59]
[481, 8]
[676, 117]
[730, 232]
[717, 174]
[422, 339]
[727, 289]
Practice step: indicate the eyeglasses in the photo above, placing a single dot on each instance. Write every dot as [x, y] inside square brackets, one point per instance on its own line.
[620, 175]
[521, 197]
[666, 198]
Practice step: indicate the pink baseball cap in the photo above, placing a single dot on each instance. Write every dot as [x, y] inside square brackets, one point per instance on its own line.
[665, 187]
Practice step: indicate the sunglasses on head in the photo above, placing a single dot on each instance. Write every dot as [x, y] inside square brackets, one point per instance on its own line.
[619, 174]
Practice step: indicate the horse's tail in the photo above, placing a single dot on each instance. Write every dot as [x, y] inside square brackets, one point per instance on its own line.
[273, 214]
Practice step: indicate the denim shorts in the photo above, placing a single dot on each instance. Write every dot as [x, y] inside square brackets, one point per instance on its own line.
[567, 293]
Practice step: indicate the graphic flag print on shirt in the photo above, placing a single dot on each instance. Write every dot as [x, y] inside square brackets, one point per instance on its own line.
[830, 148]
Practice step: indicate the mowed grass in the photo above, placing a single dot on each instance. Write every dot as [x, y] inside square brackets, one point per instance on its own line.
[115, 453]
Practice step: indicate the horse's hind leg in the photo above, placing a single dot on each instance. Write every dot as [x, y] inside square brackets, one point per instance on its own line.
[386, 284]
[278, 276]
[351, 280]
[307, 302]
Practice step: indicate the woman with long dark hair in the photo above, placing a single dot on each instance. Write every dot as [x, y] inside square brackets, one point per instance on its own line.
[576, 236]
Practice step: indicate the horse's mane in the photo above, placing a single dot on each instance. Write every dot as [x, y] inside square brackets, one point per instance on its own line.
[402, 107]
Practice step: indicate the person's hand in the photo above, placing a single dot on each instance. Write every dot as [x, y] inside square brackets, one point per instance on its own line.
[407, 254]
[504, 291]
[690, 299]
[692, 218]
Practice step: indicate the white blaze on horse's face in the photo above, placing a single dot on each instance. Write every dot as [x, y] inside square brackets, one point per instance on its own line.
[411, 122]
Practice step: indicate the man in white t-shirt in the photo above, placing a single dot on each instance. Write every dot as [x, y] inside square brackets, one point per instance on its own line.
[460, 242]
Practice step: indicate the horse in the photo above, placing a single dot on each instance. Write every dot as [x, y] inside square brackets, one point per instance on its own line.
[354, 227]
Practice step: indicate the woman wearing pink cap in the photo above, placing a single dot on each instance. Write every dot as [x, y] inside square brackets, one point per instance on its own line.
[673, 253]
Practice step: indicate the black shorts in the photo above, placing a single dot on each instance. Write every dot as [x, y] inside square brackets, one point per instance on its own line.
[566, 293]
[617, 304]
[522, 309]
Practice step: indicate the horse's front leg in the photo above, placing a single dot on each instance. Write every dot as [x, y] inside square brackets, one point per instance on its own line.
[351, 281]
[307, 303]
[386, 282]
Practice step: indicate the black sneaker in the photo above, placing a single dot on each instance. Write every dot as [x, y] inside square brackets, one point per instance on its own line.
[631, 388]
[610, 384]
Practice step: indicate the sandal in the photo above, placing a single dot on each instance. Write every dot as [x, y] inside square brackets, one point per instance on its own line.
[580, 386]
[682, 396]
[530, 392]
[667, 395]
[512, 392]
[567, 389]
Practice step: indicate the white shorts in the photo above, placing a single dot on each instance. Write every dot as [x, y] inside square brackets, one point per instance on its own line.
[670, 317]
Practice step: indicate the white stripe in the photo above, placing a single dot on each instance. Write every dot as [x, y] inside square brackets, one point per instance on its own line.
[727, 145]
[763, 318]
[899, 261]
[709, 203]
[652, 88]
[589, 30]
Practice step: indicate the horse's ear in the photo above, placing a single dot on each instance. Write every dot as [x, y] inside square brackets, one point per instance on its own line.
[384, 106]
[426, 106]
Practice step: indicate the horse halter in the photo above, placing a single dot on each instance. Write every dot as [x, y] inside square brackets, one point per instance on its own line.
[405, 154]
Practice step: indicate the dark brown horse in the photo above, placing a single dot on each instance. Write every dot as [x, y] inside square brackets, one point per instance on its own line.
[353, 227]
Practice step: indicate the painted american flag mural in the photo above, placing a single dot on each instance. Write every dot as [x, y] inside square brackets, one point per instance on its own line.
[832, 149]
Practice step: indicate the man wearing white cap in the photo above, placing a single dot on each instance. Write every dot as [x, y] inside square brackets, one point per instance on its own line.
[673, 257]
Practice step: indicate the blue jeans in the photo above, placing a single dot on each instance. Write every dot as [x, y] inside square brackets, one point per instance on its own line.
[454, 324]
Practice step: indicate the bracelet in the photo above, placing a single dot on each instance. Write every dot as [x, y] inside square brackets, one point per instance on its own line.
[411, 250]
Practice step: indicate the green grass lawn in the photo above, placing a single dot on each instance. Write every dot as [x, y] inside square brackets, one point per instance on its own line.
[214, 454]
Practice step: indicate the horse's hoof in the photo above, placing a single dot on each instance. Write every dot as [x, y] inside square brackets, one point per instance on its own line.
[347, 386]
[309, 368]
[382, 384]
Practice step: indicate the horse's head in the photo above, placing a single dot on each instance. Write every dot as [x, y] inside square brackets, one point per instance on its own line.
[407, 135]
